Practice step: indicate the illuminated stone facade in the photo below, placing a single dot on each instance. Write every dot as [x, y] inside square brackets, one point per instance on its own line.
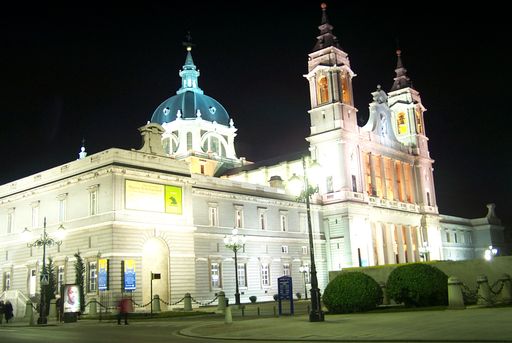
[376, 202]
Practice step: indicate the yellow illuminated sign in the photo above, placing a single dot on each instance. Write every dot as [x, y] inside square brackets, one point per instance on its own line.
[173, 202]
[153, 197]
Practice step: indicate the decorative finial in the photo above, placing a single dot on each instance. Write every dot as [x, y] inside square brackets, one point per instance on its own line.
[188, 43]
[323, 5]
[398, 52]
[82, 154]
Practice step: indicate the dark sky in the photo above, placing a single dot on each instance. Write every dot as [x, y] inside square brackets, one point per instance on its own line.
[99, 71]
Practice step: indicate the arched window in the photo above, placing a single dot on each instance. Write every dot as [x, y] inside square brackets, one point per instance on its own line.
[401, 124]
[170, 144]
[323, 90]
[189, 141]
[345, 88]
[214, 144]
[419, 125]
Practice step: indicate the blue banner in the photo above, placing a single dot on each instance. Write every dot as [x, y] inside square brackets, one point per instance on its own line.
[129, 275]
[103, 274]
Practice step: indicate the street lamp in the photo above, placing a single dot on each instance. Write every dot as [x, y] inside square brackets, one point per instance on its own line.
[306, 191]
[43, 241]
[490, 253]
[235, 242]
[304, 270]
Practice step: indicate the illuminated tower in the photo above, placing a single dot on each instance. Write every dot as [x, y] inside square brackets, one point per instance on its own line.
[332, 113]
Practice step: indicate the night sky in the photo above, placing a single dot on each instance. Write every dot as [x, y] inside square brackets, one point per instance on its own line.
[98, 73]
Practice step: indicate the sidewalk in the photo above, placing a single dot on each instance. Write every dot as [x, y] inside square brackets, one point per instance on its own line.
[469, 325]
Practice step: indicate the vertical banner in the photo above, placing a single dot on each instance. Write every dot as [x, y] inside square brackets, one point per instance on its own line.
[173, 199]
[103, 274]
[129, 275]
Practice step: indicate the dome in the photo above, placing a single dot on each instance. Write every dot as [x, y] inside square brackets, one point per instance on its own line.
[188, 103]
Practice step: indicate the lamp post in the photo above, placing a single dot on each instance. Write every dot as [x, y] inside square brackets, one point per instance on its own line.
[490, 253]
[43, 241]
[304, 270]
[316, 314]
[235, 242]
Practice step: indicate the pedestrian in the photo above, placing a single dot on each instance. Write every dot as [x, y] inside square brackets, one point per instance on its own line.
[124, 306]
[2, 310]
[8, 311]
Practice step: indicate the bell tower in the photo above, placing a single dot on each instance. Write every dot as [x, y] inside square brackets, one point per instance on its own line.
[332, 112]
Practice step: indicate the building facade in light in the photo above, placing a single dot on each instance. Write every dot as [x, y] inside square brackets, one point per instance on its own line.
[167, 207]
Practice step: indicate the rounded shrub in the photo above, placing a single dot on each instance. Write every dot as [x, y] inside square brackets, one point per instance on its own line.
[253, 299]
[417, 285]
[352, 292]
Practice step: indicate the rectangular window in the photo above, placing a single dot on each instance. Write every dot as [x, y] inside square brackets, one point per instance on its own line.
[93, 276]
[328, 185]
[307, 273]
[283, 221]
[455, 237]
[7, 281]
[60, 278]
[239, 216]
[286, 269]
[304, 250]
[284, 249]
[32, 282]
[215, 279]
[10, 220]
[242, 275]
[35, 216]
[448, 237]
[354, 183]
[93, 202]
[262, 218]
[265, 275]
[303, 222]
[428, 199]
[213, 214]
[62, 210]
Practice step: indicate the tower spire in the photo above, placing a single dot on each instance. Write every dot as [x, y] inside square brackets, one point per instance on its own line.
[401, 79]
[189, 73]
[326, 37]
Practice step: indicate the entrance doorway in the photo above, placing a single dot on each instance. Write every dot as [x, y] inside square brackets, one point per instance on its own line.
[155, 259]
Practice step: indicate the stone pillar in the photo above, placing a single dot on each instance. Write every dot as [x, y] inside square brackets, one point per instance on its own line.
[187, 302]
[400, 243]
[385, 297]
[93, 307]
[455, 297]
[402, 183]
[52, 315]
[383, 177]
[29, 311]
[408, 241]
[228, 318]
[373, 191]
[221, 302]
[380, 244]
[388, 229]
[156, 303]
[506, 292]
[484, 291]
[396, 197]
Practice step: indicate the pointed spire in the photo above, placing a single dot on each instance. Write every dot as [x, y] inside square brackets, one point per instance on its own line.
[189, 73]
[401, 79]
[326, 37]
[82, 154]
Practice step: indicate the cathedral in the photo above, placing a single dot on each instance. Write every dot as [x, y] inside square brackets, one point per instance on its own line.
[170, 208]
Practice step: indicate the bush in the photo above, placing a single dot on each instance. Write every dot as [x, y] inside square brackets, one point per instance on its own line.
[253, 298]
[276, 297]
[418, 284]
[352, 292]
[298, 295]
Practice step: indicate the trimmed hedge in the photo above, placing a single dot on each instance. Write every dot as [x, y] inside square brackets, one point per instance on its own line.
[352, 292]
[418, 284]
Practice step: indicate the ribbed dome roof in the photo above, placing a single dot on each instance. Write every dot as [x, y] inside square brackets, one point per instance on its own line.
[190, 99]
[188, 103]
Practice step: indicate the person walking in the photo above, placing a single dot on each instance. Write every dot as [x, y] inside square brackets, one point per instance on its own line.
[124, 307]
[8, 311]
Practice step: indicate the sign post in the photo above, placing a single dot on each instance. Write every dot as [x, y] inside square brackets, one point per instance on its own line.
[285, 292]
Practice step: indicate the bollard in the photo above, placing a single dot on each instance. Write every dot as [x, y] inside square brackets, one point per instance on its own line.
[156, 303]
[228, 318]
[258, 311]
[187, 302]
[484, 291]
[385, 297]
[506, 291]
[221, 302]
[52, 314]
[455, 297]
[92, 307]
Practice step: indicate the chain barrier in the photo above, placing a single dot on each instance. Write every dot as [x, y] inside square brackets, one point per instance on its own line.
[472, 297]
[494, 285]
[172, 304]
[204, 303]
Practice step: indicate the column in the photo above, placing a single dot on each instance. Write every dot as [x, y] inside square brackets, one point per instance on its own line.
[404, 188]
[389, 236]
[383, 177]
[395, 183]
[373, 191]
[380, 244]
[400, 243]
[408, 241]
[416, 240]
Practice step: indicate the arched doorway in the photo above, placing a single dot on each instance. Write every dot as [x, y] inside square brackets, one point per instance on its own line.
[155, 259]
